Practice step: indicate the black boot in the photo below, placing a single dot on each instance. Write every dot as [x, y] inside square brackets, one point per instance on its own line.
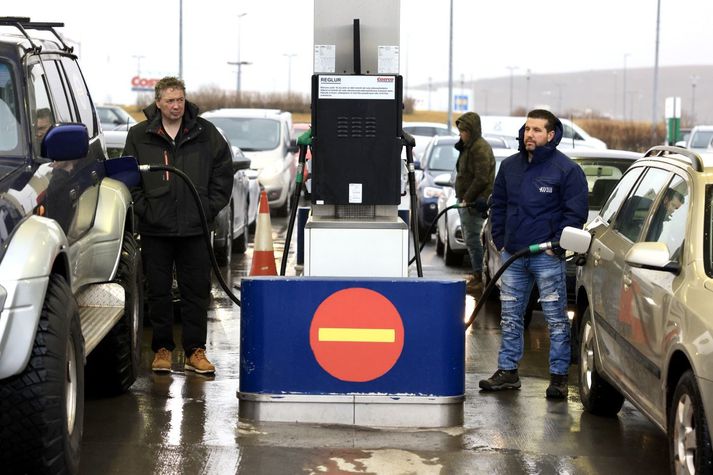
[558, 387]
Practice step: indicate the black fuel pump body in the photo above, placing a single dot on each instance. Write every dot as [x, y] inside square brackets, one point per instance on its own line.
[356, 139]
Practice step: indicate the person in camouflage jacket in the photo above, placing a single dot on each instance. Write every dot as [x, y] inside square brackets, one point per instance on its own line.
[475, 173]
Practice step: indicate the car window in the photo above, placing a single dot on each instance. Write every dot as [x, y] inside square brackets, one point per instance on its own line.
[632, 216]
[701, 139]
[250, 134]
[41, 109]
[80, 94]
[443, 157]
[668, 224]
[621, 190]
[602, 176]
[10, 130]
[63, 109]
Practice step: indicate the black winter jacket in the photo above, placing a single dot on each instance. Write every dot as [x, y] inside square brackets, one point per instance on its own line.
[163, 203]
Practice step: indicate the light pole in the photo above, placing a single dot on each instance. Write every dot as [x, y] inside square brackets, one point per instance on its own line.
[511, 68]
[654, 107]
[623, 87]
[239, 63]
[527, 91]
[180, 39]
[450, 70]
[289, 57]
[430, 85]
[138, 58]
[694, 80]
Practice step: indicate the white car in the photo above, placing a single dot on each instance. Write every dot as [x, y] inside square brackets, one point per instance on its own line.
[114, 117]
[700, 139]
[573, 136]
[265, 138]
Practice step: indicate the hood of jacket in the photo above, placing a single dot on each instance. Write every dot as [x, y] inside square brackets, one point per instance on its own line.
[545, 151]
[470, 122]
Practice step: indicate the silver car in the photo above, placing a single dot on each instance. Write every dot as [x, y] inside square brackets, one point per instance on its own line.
[643, 314]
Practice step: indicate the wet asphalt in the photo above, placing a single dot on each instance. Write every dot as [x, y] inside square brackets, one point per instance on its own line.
[183, 423]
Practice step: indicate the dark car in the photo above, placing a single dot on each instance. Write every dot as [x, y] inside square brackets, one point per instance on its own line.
[439, 157]
[603, 169]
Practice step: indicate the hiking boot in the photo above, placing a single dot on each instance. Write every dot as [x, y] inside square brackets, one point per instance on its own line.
[199, 363]
[474, 288]
[502, 379]
[558, 387]
[162, 361]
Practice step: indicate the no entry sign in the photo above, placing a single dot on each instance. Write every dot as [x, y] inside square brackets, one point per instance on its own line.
[356, 335]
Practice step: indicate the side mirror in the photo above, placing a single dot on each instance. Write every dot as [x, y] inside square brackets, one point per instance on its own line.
[242, 163]
[293, 148]
[575, 240]
[417, 164]
[444, 179]
[66, 142]
[652, 256]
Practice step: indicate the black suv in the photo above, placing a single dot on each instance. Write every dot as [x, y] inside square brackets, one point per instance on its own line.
[69, 261]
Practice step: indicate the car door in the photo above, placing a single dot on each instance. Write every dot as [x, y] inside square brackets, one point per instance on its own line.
[614, 321]
[647, 296]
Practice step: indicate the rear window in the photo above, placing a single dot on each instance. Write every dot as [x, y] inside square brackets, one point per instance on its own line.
[701, 139]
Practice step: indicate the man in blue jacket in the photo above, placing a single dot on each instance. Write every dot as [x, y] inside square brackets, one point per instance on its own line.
[537, 193]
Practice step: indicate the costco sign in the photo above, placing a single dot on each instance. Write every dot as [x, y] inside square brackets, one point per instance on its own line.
[143, 84]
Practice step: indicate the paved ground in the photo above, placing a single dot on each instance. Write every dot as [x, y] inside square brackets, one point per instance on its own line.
[188, 424]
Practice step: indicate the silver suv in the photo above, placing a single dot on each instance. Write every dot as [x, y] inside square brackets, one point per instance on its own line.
[70, 267]
[644, 322]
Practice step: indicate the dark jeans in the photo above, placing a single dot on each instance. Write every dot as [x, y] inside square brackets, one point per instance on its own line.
[192, 263]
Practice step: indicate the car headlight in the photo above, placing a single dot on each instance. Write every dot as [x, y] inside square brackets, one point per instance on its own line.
[271, 171]
[432, 192]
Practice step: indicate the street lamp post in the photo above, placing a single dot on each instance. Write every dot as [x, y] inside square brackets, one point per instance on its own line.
[450, 70]
[623, 87]
[239, 63]
[511, 68]
[180, 39]
[527, 91]
[289, 57]
[654, 107]
[694, 80]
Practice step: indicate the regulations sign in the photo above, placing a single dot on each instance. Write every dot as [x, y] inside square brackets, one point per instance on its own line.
[357, 87]
[356, 335]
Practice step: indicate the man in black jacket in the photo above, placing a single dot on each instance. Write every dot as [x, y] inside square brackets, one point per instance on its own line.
[169, 220]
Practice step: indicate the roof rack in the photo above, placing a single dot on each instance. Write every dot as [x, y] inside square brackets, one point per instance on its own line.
[24, 23]
[677, 153]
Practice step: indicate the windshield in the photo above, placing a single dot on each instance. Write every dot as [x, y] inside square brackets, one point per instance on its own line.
[11, 134]
[250, 135]
[443, 157]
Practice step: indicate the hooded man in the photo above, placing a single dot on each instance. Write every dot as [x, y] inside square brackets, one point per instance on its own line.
[475, 171]
[537, 193]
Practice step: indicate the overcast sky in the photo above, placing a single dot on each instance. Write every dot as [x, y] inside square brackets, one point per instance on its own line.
[118, 38]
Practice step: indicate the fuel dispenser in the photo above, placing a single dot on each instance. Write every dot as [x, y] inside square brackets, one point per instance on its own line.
[354, 340]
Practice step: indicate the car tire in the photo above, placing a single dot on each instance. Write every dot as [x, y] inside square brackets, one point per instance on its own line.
[440, 247]
[42, 408]
[241, 242]
[452, 258]
[224, 252]
[597, 395]
[689, 438]
[114, 364]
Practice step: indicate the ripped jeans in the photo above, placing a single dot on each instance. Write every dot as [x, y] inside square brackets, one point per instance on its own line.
[515, 284]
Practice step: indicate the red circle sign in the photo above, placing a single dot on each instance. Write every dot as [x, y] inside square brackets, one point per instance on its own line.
[356, 335]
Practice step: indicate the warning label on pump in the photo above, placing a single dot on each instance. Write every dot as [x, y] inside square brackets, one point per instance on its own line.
[357, 87]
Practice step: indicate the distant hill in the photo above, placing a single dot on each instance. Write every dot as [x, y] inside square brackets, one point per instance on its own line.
[598, 93]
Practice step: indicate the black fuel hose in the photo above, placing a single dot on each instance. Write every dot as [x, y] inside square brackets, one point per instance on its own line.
[204, 223]
[533, 249]
[295, 204]
[432, 226]
[409, 142]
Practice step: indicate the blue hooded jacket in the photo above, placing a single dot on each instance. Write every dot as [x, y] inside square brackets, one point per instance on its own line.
[533, 202]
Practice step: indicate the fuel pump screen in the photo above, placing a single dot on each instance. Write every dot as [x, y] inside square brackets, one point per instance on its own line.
[356, 144]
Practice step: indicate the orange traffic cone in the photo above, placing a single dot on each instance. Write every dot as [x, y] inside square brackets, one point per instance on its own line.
[263, 254]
